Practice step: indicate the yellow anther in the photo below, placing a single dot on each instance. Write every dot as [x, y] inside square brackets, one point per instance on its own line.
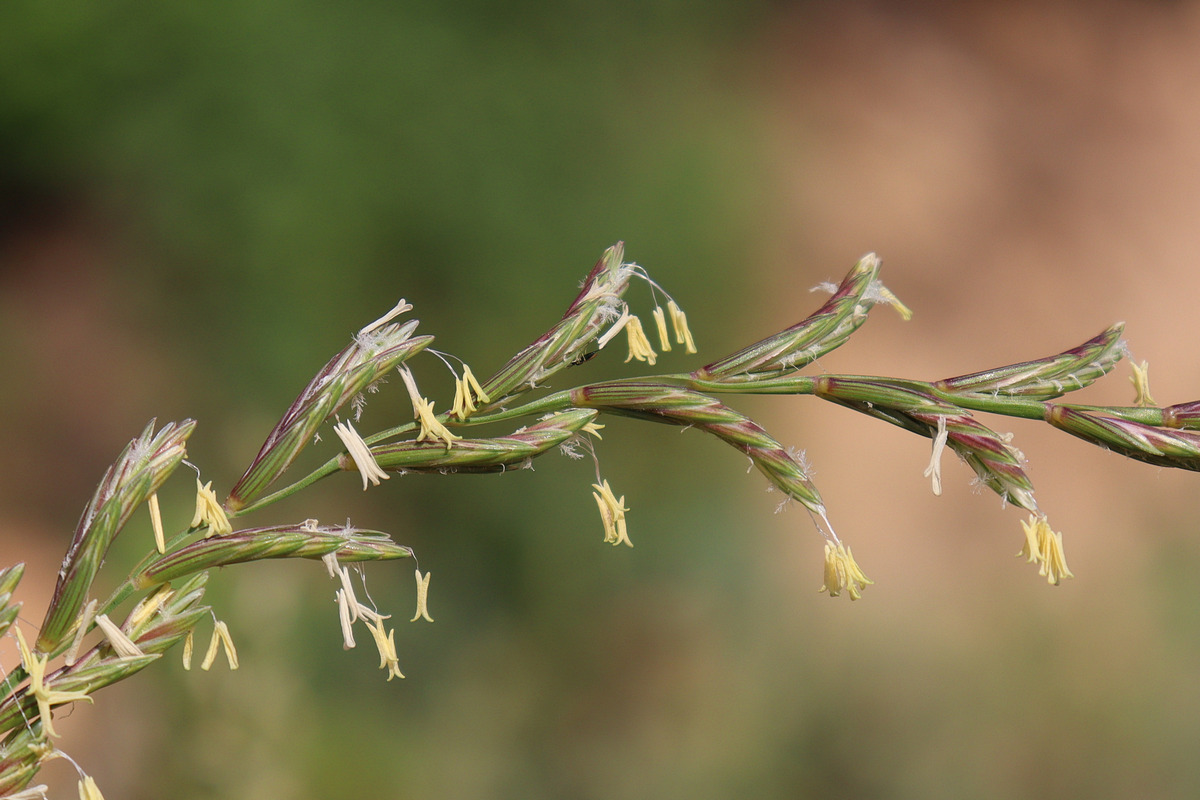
[683, 336]
[156, 523]
[360, 453]
[422, 598]
[1141, 384]
[639, 345]
[220, 638]
[612, 512]
[660, 322]
[842, 572]
[886, 295]
[45, 696]
[1045, 548]
[209, 511]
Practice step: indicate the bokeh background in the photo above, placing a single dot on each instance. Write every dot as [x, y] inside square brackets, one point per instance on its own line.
[199, 203]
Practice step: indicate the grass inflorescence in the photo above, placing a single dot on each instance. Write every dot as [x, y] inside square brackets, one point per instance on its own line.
[85, 643]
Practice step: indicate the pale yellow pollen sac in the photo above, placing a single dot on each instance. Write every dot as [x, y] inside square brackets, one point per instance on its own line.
[1031, 551]
[156, 523]
[81, 628]
[400, 308]
[45, 696]
[431, 428]
[344, 617]
[386, 644]
[639, 345]
[886, 295]
[360, 453]
[593, 428]
[1054, 562]
[210, 655]
[833, 582]
[220, 638]
[147, 607]
[612, 513]
[1141, 384]
[464, 388]
[370, 614]
[422, 598]
[934, 470]
[88, 789]
[230, 651]
[410, 383]
[121, 644]
[606, 517]
[660, 323]
[683, 335]
[842, 572]
[469, 378]
[616, 328]
[188, 643]
[463, 405]
[209, 511]
[348, 592]
[1044, 547]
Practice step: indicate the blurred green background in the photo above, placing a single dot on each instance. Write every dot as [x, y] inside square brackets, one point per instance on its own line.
[198, 204]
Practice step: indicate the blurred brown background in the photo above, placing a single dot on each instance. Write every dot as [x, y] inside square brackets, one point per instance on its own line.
[199, 204]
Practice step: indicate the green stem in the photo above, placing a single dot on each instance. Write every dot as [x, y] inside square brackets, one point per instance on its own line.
[324, 471]
[126, 589]
[555, 402]
[1009, 406]
[559, 401]
[1021, 407]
